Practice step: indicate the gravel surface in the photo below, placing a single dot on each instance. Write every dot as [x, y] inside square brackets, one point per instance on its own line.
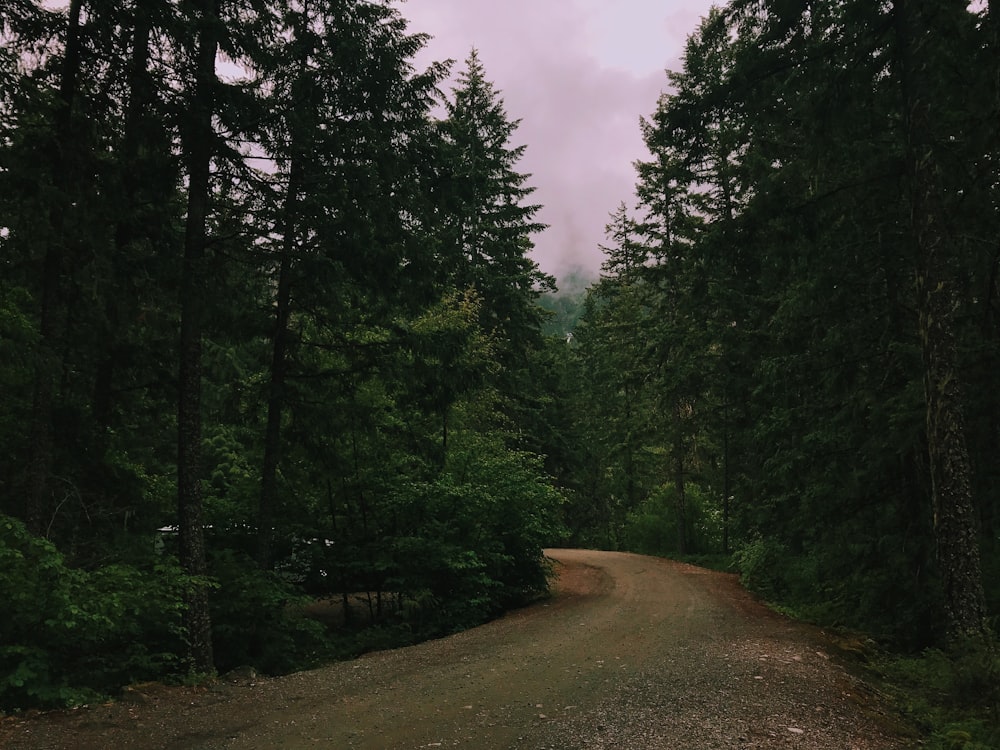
[630, 653]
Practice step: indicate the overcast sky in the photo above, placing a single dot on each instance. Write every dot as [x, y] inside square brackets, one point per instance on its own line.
[578, 74]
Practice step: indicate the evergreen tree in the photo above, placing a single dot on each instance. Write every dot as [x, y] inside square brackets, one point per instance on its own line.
[67, 235]
[198, 152]
[930, 115]
[347, 141]
[349, 101]
[486, 227]
[135, 205]
[40, 488]
[613, 342]
[787, 284]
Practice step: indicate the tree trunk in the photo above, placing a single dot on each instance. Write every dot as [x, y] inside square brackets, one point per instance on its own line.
[198, 152]
[955, 521]
[39, 489]
[131, 176]
[125, 228]
[279, 368]
[303, 96]
[726, 480]
[680, 491]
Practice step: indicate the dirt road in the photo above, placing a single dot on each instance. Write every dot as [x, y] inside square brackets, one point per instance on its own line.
[631, 653]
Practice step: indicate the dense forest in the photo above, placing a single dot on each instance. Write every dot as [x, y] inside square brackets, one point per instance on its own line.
[268, 318]
[271, 334]
[792, 350]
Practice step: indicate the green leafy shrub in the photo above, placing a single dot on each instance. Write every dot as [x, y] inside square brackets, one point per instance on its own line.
[258, 620]
[449, 585]
[762, 562]
[795, 584]
[140, 611]
[69, 635]
[508, 511]
[653, 527]
[467, 544]
[43, 619]
[952, 697]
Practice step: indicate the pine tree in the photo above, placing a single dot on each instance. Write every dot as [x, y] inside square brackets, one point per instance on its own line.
[352, 117]
[487, 227]
[794, 278]
[928, 116]
[39, 489]
[198, 153]
[614, 342]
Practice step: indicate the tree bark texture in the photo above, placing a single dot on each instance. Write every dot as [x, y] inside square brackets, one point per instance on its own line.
[39, 485]
[279, 367]
[955, 520]
[198, 153]
[127, 225]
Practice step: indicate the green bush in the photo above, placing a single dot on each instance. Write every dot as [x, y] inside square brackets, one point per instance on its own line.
[69, 635]
[258, 620]
[857, 584]
[952, 697]
[467, 544]
[141, 611]
[652, 528]
[507, 510]
[762, 563]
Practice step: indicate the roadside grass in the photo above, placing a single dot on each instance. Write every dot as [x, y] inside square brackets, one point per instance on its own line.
[948, 700]
[952, 699]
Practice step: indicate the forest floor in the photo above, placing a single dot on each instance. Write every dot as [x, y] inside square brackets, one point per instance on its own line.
[630, 653]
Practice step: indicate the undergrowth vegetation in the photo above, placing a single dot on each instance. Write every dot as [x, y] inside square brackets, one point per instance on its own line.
[72, 636]
[949, 698]
[952, 698]
[69, 635]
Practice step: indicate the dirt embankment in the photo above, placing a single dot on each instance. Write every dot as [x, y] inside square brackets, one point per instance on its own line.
[631, 653]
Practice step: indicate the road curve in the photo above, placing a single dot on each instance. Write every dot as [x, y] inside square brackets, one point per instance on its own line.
[631, 653]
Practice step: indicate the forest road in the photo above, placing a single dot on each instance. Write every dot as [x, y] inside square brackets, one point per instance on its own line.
[631, 653]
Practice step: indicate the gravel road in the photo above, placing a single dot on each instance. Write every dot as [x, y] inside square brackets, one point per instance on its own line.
[630, 653]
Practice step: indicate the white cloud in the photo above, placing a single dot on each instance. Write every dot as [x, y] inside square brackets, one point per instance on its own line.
[578, 74]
